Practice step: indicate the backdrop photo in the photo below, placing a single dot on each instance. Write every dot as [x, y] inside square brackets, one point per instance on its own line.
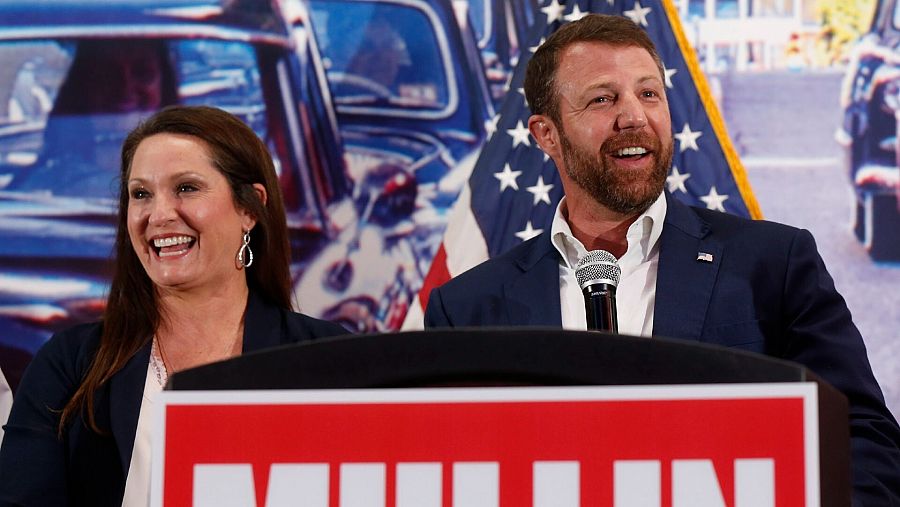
[398, 128]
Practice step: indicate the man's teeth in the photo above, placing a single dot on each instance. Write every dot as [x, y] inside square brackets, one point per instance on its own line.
[634, 150]
[171, 241]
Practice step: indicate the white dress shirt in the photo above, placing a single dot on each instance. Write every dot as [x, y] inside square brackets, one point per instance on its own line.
[636, 292]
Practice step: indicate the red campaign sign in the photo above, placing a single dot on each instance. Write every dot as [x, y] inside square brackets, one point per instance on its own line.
[729, 445]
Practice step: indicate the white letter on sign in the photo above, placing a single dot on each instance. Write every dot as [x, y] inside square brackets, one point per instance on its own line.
[476, 484]
[754, 482]
[223, 485]
[694, 483]
[637, 483]
[294, 485]
[556, 484]
[419, 485]
[298, 485]
[362, 485]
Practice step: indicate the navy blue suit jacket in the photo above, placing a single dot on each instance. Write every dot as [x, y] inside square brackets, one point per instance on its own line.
[83, 467]
[766, 290]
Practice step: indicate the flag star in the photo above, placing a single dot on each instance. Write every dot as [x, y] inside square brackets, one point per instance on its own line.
[669, 73]
[554, 11]
[490, 126]
[688, 139]
[713, 200]
[575, 15]
[508, 177]
[529, 232]
[639, 14]
[539, 44]
[676, 180]
[541, 191]
[519, 135]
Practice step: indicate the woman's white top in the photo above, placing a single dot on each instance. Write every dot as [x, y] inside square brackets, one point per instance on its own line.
[137, 485]
[6, 399]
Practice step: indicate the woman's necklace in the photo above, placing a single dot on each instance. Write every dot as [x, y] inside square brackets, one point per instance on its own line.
[162, 366]
[158, 362]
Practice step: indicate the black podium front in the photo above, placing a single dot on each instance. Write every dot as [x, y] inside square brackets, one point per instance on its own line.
[527, 357]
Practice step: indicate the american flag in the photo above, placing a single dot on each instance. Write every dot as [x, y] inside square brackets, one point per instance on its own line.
[514, 188]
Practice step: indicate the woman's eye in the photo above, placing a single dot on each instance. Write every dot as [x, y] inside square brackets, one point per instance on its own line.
[186, 187]
[139, 193]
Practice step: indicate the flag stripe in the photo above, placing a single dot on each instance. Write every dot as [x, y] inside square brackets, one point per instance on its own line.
[437, 275]
[463, 229]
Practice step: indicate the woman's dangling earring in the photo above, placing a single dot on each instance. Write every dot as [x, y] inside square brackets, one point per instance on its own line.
[245, 254]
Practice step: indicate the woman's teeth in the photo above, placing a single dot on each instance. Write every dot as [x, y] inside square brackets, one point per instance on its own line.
[171, 241]
[173, 245]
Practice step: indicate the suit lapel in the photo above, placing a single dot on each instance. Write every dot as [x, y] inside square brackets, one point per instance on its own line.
[533, 296]
[689, 262]
[126, 391]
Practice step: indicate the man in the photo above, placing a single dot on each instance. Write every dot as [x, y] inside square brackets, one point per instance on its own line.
[597, 93]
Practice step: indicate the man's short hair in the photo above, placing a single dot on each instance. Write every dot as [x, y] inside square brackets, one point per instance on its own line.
[541, 91]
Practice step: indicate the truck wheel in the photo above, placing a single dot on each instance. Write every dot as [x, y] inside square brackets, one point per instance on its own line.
[859, 220]
[882, 227]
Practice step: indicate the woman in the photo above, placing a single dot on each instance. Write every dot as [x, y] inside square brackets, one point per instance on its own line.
[201, 275]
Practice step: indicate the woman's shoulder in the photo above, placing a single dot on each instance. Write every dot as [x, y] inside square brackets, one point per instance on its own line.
[317, 328]
[268, 325]
[59, 365]
[75, 345]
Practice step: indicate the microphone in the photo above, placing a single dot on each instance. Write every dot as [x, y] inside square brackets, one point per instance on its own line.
[598, 274]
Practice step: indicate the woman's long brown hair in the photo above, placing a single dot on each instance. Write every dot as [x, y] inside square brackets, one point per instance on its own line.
[132, 315]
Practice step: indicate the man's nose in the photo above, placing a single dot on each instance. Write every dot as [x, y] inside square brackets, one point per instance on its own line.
[631, 114]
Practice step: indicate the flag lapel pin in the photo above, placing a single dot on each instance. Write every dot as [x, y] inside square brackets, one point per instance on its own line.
[704, 257]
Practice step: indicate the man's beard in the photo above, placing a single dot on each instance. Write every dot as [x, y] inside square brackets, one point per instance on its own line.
[621, 190]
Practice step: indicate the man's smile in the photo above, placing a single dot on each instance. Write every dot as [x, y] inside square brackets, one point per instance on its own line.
[631, 151]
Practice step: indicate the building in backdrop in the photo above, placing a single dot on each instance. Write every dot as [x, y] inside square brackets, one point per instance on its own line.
[763, 35]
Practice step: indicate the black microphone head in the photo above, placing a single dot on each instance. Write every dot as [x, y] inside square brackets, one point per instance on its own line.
[598, 266]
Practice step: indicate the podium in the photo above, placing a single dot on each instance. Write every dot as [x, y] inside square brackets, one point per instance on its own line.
[518, 416]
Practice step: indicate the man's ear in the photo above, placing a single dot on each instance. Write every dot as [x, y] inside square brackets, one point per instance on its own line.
[545, 134]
